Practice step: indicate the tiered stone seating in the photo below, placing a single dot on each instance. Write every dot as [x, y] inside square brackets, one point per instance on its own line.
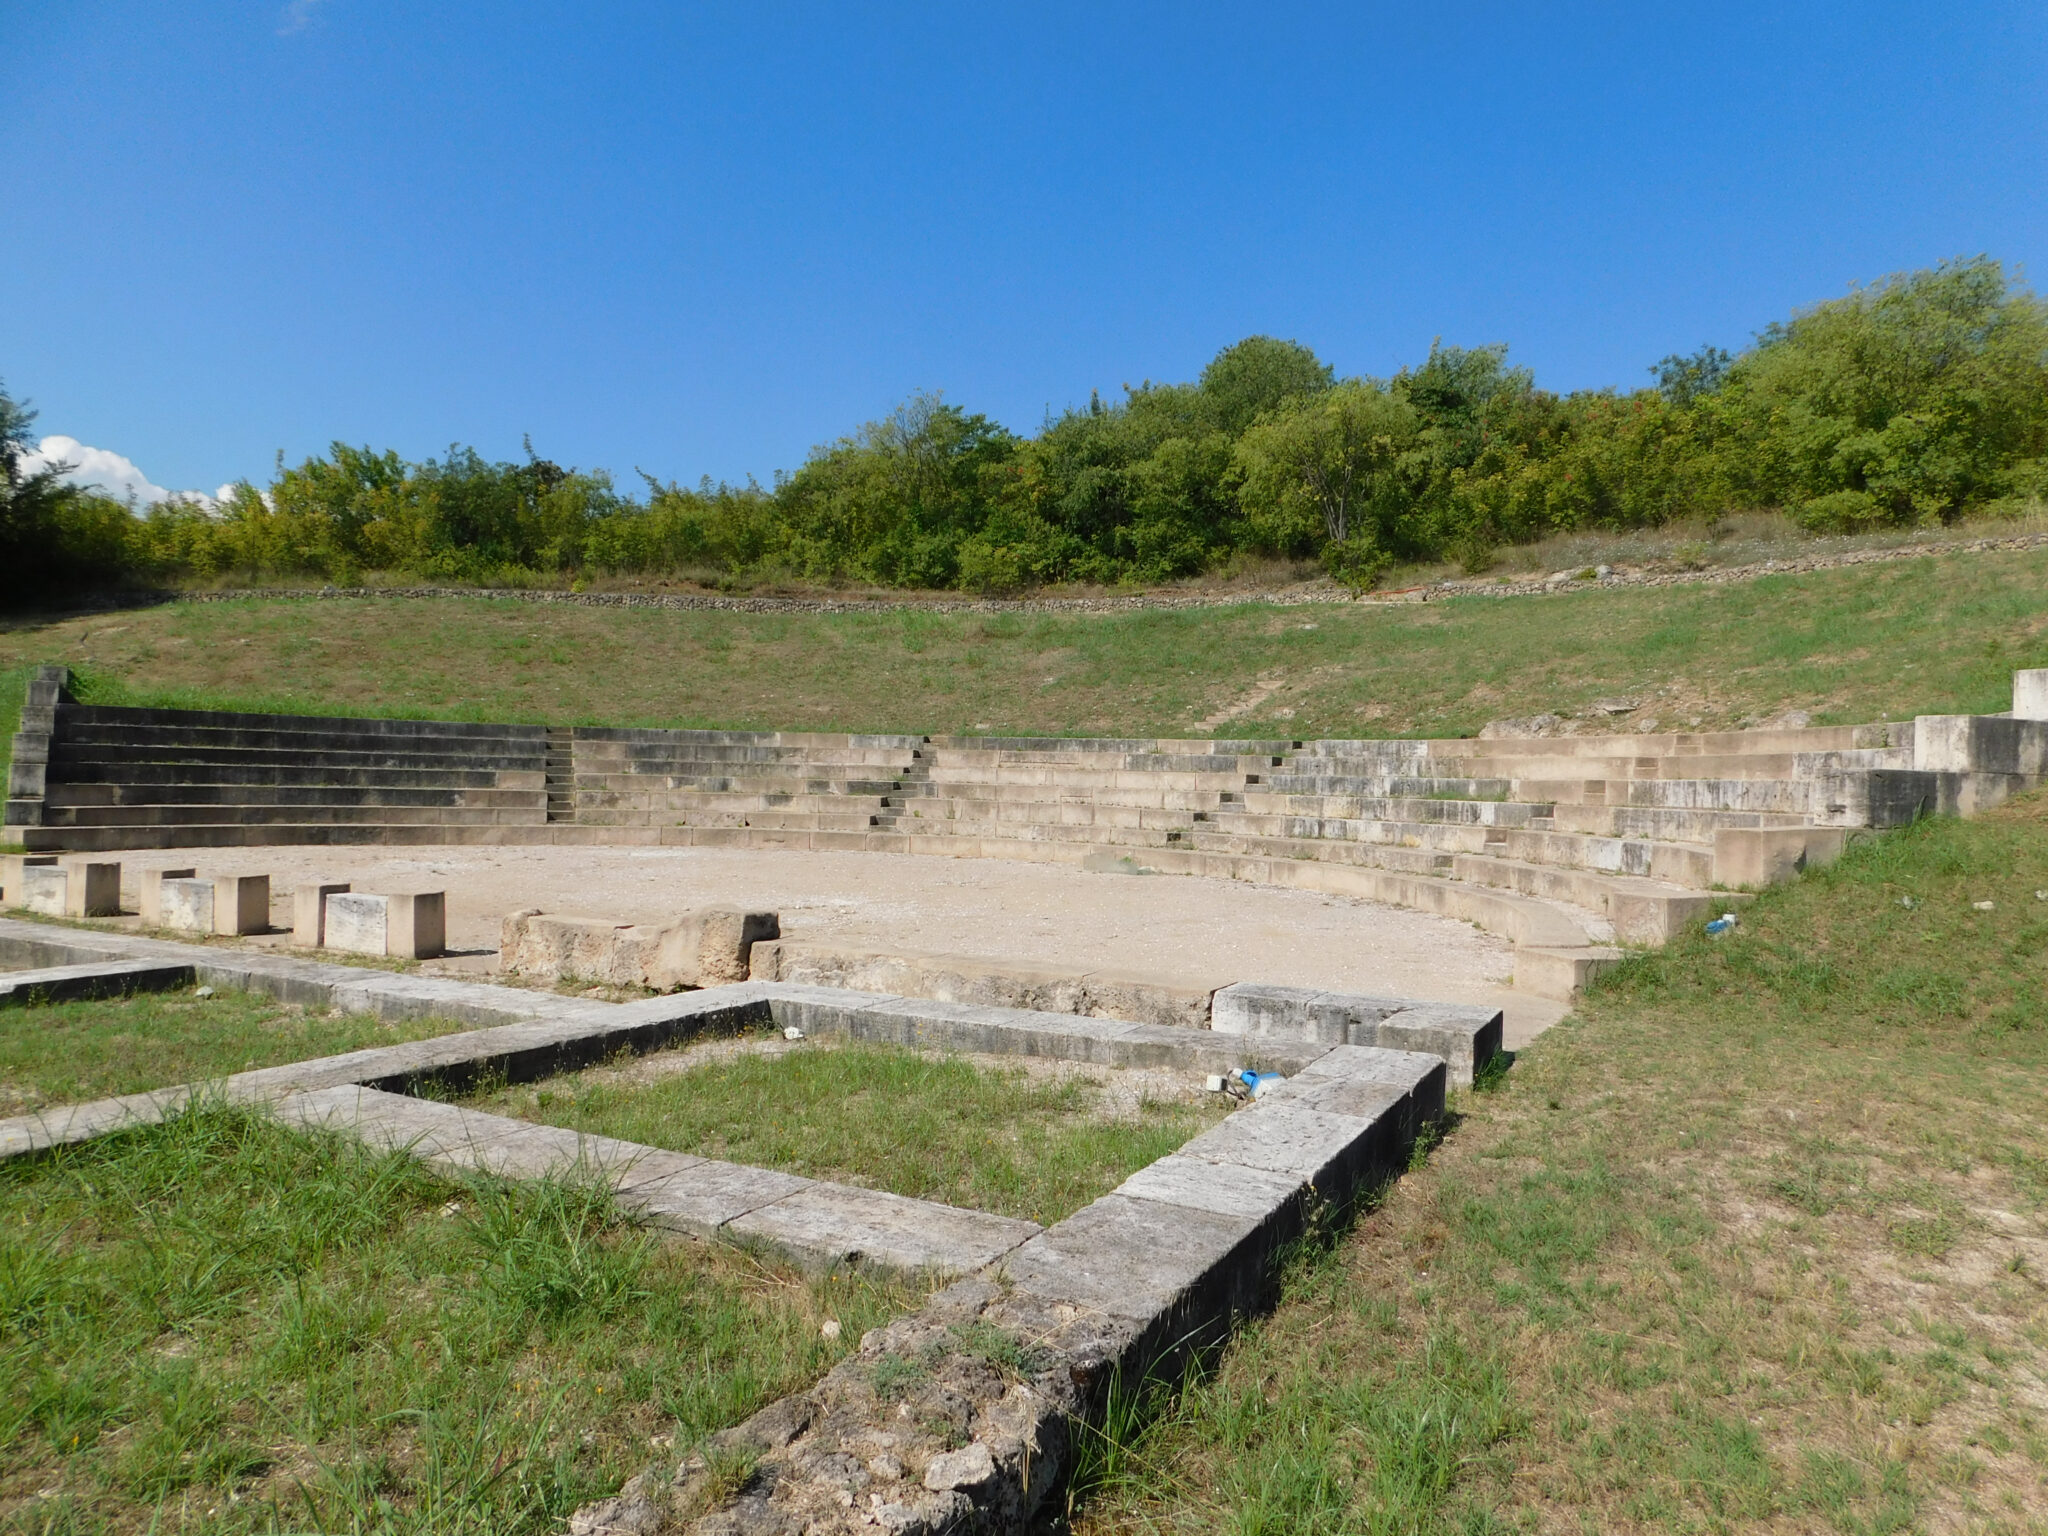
[1563, 844]
[1066, 794]
[693, 786]
[160, 778]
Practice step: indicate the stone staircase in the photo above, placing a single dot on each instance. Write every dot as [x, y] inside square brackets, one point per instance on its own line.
[1566, 845]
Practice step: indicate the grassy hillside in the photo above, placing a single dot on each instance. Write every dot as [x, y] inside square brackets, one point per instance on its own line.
[1756, 1240]
[1919, 636]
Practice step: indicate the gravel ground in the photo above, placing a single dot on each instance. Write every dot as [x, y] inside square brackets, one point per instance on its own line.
[1167, 928]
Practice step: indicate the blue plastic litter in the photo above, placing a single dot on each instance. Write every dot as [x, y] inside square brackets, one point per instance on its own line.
[1259, 1082]
[1721, 924]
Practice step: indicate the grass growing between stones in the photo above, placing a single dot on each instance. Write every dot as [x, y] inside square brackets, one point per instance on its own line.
[1933, 635]
[990, 1138]
[218, 1325]
[60, 1053]
[1757, 1239]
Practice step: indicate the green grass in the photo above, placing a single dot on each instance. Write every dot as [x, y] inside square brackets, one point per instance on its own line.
[63, 1052]
[216, 1325]
[1757, 1238]
[1919, 636]
[932, 1127]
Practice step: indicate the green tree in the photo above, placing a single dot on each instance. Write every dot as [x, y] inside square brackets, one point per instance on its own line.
[1910, 400]
[1259, 374]
[1337, 463]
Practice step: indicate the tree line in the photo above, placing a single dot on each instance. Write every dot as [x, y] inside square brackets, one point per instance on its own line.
[1919, 399]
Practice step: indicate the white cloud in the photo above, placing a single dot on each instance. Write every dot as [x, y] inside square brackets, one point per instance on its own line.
[105, 470]
[296, 16]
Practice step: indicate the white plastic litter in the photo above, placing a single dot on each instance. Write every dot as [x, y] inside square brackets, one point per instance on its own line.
[204, 992]
[791, 1032]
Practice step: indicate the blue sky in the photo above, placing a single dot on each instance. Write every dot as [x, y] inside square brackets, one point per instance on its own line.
[698, 239]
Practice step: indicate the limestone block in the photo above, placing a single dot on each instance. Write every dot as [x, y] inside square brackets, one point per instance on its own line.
[831, 1226]
[1463, 1038]
[358, 922]
[2030, 694]
[416, 925]
[1558, 972]
[44, 889]
[150, 893]
[94, 889]
[309, 912]
[710, 946]
[702, 1199]
[1749, 858]
[10, 873]
[1262, 1008]
[1228, 1189]
[185, 904]
[241, 903]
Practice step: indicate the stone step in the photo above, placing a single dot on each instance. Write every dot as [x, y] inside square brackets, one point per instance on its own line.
[788, 820]
[64, 796]
[1083, 779]
[291, 815]
[997, 814]
[727, 785]
[89, 717]
[1043, 832]
[1152, 796]
[1666, 824]
[1078, 746]
[312, 775]
[1681, 863]
[823, 741]
[112, 760]
[670, 804]
[1643, 911]
[628, 757]
[279, 746]
[1492, 813]
[1396, 786]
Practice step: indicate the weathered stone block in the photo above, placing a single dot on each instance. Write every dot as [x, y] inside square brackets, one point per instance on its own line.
[186, 904]
[241, 904]
[358, 922]
[832, 1226]
[416, 924]
[1262, 1008]
[149, 893]
[309, 912]
[11, 867]
[2030, 694]
[93, 889]
[1750, 858]
[44, 889]
[707, 947]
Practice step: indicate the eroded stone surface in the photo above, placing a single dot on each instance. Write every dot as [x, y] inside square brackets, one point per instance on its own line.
[707, 947]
